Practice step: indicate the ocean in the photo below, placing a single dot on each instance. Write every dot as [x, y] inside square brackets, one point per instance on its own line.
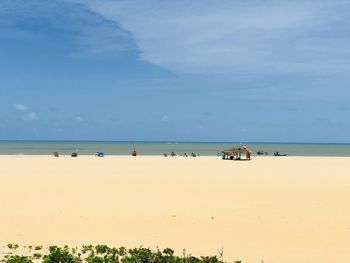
[158, 148]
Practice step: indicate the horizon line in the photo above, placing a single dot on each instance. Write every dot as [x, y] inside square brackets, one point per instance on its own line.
[172, 141]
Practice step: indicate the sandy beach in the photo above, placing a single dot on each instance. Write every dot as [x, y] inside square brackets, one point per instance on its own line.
[287, 209]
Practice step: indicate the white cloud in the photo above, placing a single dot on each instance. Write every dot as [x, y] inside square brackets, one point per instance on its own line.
[32, 116]
[23, 109]
[78, 118]
[208, 37]
[20, 107]
[215, 37]
[165, 118]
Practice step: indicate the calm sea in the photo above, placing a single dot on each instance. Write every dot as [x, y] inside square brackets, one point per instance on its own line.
[158, 148]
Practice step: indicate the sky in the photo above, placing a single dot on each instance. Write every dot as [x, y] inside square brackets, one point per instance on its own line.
[181, 70]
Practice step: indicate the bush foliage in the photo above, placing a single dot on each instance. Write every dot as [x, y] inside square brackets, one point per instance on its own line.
[105, 254]
[19, 259]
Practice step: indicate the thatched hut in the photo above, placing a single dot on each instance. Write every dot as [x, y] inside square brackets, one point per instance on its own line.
[237, 153]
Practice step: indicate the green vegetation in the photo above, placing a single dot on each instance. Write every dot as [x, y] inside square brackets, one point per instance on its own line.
[37, 255]
[105, 254]
[102, 249]
[18, 259]
[12, 246]
[86, 249]
[59, 255]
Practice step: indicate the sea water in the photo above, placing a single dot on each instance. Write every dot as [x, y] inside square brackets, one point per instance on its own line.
[158, 148]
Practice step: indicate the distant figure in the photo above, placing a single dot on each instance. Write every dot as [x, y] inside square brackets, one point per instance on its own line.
[248, 155]
[185, 154]
[165, 154]
[133, 153]
[74, 154]
[55, 154]
[193, 154]
[260, 152]
[173, 154]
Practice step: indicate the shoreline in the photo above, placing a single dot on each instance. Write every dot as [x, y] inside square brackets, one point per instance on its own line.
[106, 156]
[157, 149]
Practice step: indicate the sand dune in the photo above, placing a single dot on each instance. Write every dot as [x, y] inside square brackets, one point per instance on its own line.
[289, 209]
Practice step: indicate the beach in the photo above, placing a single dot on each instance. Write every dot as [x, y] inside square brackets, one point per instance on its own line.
[275, 209]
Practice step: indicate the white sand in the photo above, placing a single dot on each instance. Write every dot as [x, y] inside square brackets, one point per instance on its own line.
[287, 209]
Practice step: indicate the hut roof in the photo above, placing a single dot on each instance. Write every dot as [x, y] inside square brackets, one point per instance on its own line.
[237, 149]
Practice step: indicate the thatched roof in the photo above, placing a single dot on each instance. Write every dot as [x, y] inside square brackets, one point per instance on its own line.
[238, 149]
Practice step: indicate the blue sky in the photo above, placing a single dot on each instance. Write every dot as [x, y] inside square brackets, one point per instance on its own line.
[269, 71]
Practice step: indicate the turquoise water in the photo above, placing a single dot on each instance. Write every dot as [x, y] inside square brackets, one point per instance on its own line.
[158, 148]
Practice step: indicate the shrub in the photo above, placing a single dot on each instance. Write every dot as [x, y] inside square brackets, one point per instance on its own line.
[105, 254]
[18, 259]
[122, 251]
[59, 255]
[12, 246]
[37, 255]
[213, 259]
[87, 248]
[102, 249]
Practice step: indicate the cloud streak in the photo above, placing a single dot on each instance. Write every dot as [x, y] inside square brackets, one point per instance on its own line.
[23, 109]
[260, 37]
[20, 107]
[32, 116]
[204, 37]
[91, 33]
[165, 118]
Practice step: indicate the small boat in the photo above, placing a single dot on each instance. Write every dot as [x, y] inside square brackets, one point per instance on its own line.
[279, 154]
[100, 154]
[74, 154]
